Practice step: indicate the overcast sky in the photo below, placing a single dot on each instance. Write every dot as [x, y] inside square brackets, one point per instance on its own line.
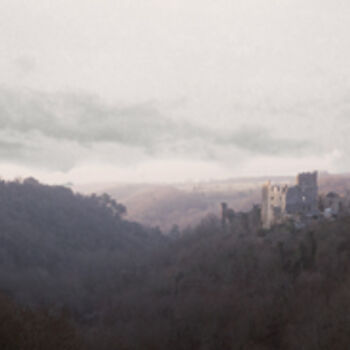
[163, 90]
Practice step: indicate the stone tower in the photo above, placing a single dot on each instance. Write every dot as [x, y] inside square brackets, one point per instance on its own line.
[273, 204]
[223, 213]
[307, 183]
[280, 202]
[265, 206]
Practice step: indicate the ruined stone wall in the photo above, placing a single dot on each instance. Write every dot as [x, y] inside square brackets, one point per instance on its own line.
[307, 183]
[280, 202]
[265, 215]
[332, 203]
[293, 200]
[273, 204]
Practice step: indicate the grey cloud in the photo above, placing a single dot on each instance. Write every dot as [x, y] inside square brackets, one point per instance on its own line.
[261, 141]
[82, 118]
[10, 149]
[59, 129]
[36, 150]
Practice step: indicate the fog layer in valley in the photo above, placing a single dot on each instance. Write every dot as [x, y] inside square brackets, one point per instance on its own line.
[185, 204]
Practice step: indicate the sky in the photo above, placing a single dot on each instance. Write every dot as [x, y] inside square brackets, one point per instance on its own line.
[162, 91]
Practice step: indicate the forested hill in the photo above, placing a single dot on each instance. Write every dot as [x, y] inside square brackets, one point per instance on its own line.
[61, 248]
[214, 287]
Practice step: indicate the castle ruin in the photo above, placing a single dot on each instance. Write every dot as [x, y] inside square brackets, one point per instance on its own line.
[281, 202]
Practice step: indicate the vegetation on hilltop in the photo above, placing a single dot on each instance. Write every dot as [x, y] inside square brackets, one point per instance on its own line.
[219, 289]
[127, 287]
[61, 248]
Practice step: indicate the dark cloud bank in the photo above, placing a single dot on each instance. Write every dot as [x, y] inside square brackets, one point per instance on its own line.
[55, 130]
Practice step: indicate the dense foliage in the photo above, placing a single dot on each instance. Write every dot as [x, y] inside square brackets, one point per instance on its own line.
[23, 328]
[214, 287]
[61, 248]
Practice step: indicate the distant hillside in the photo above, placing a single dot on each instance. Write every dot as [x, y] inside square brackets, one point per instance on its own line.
[339, 183]
[186, 204]
[182, 204]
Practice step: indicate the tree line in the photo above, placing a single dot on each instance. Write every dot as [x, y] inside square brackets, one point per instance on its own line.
[72, 265]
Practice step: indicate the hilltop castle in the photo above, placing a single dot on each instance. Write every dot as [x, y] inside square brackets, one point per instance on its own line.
[300, 204]
[280, 202]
